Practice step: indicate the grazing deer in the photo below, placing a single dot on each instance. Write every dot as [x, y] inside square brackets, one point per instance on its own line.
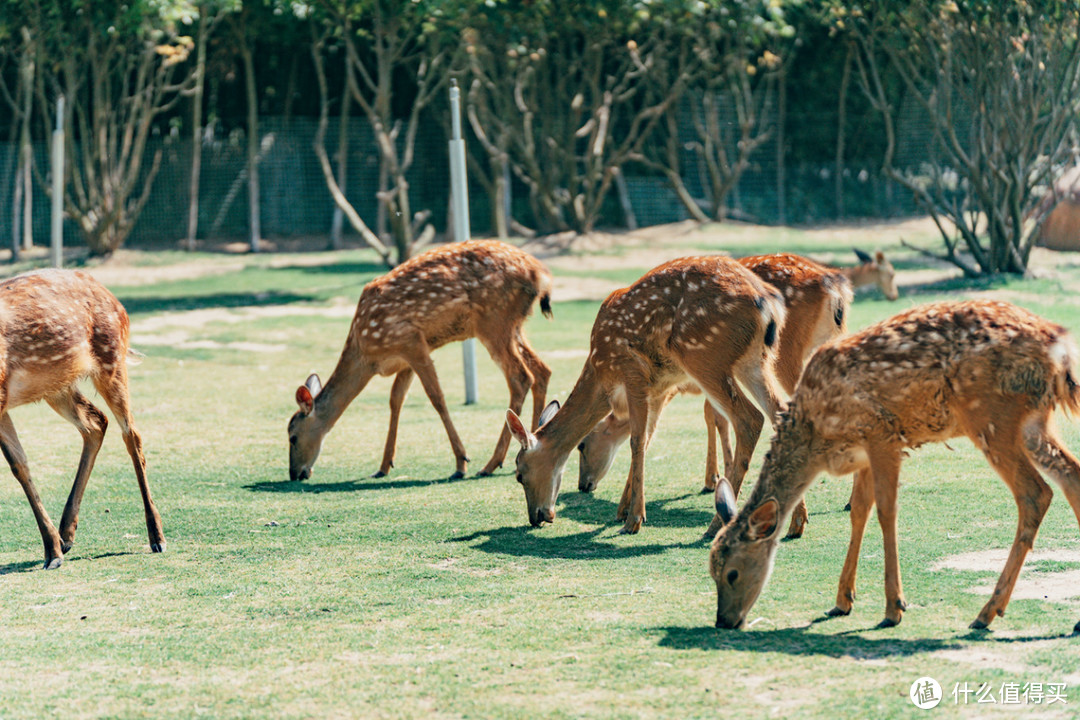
[816, 300]
[985, 370]
[707, 321]
[56, 328]
[481, 288]
[876, 270]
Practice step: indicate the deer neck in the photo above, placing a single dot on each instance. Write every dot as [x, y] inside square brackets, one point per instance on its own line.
[585, 406]
[354, 370]
[789, 467]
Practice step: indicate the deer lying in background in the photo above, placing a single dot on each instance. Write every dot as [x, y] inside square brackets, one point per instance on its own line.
[59, 327]
[985, 370]
[876, 270]
[816, 300]
[705, 320]
[483, 289]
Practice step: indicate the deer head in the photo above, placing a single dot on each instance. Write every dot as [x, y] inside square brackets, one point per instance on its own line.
[305, 431]
[742, 554]
[597, 451]
[876, 270]
[539, 472]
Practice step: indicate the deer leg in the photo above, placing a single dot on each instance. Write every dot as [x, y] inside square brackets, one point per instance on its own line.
[729, 400]
[541, 375]
[644, 414]
[1055, 460]
[716, 424]
[1032, 496]
[91, 423]
[422, 365]
[13, 453]
[885, 467]
[519, 379]
[114, 389]
[397, 396]
[862, 502]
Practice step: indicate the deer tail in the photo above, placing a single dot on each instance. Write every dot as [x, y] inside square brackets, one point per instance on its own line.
[1066, 359]
[545, 305]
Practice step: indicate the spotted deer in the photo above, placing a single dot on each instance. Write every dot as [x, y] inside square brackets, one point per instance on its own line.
[875, 270]
[56, 328]
[989, 371]
[483, 289]
[707, 321]
[816, 299]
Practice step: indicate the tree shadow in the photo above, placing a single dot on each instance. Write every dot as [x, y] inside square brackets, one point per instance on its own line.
[155, 304]
[525, 541]
[588, 509]
[357, 267]
[364, 484]
[797, 641]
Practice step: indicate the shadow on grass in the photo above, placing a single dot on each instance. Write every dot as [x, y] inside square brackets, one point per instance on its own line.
[796, 641]
[589, 509]
[366, 484]
[524, 541]
[341, 268]
[154, 304]
[25, 566]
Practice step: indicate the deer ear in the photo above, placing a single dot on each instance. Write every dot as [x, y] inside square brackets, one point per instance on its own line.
[304, 399]
[549, 412]
[519, 431]
[863, 257]
[879, 257]
[764, 520]
[314, 384]
[724, 498]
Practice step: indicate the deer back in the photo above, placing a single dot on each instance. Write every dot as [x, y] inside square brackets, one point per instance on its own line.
[451, 293]
[56, 327]
[938, 371]
[682, 308]
[816, 299]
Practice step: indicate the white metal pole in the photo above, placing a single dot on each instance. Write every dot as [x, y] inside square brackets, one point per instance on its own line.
[459, 196]
[58, 186]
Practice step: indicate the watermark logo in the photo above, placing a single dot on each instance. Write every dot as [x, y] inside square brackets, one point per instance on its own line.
[925, 693]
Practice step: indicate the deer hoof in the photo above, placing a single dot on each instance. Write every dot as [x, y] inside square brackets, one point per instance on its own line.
[838, 612]
[66, 545]
[53, 563]
[632, 525]
[157, 547]
[847, 508]
[978, 624]
[710, 484]
[888, 623]
[1076, 629]
[379, 474]
[458, 474]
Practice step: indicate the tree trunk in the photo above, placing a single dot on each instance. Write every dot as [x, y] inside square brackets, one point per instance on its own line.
[252, 147]
[196, 129]
[343, 167]
[781, 175]
[841, 132]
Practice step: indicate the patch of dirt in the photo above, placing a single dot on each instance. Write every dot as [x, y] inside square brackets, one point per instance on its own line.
[195, 319]
[1032, 584]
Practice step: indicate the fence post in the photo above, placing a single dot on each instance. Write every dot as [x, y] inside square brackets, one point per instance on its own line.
[459, 195]
[58, 186]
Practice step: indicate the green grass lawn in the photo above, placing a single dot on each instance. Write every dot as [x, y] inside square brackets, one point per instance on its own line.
[411, 595]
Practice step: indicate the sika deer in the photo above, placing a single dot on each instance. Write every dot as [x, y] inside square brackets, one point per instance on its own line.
[986, 370]
[704, 320]
[483, 289]
[56, 328]
[816, 300]
[876, 270]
